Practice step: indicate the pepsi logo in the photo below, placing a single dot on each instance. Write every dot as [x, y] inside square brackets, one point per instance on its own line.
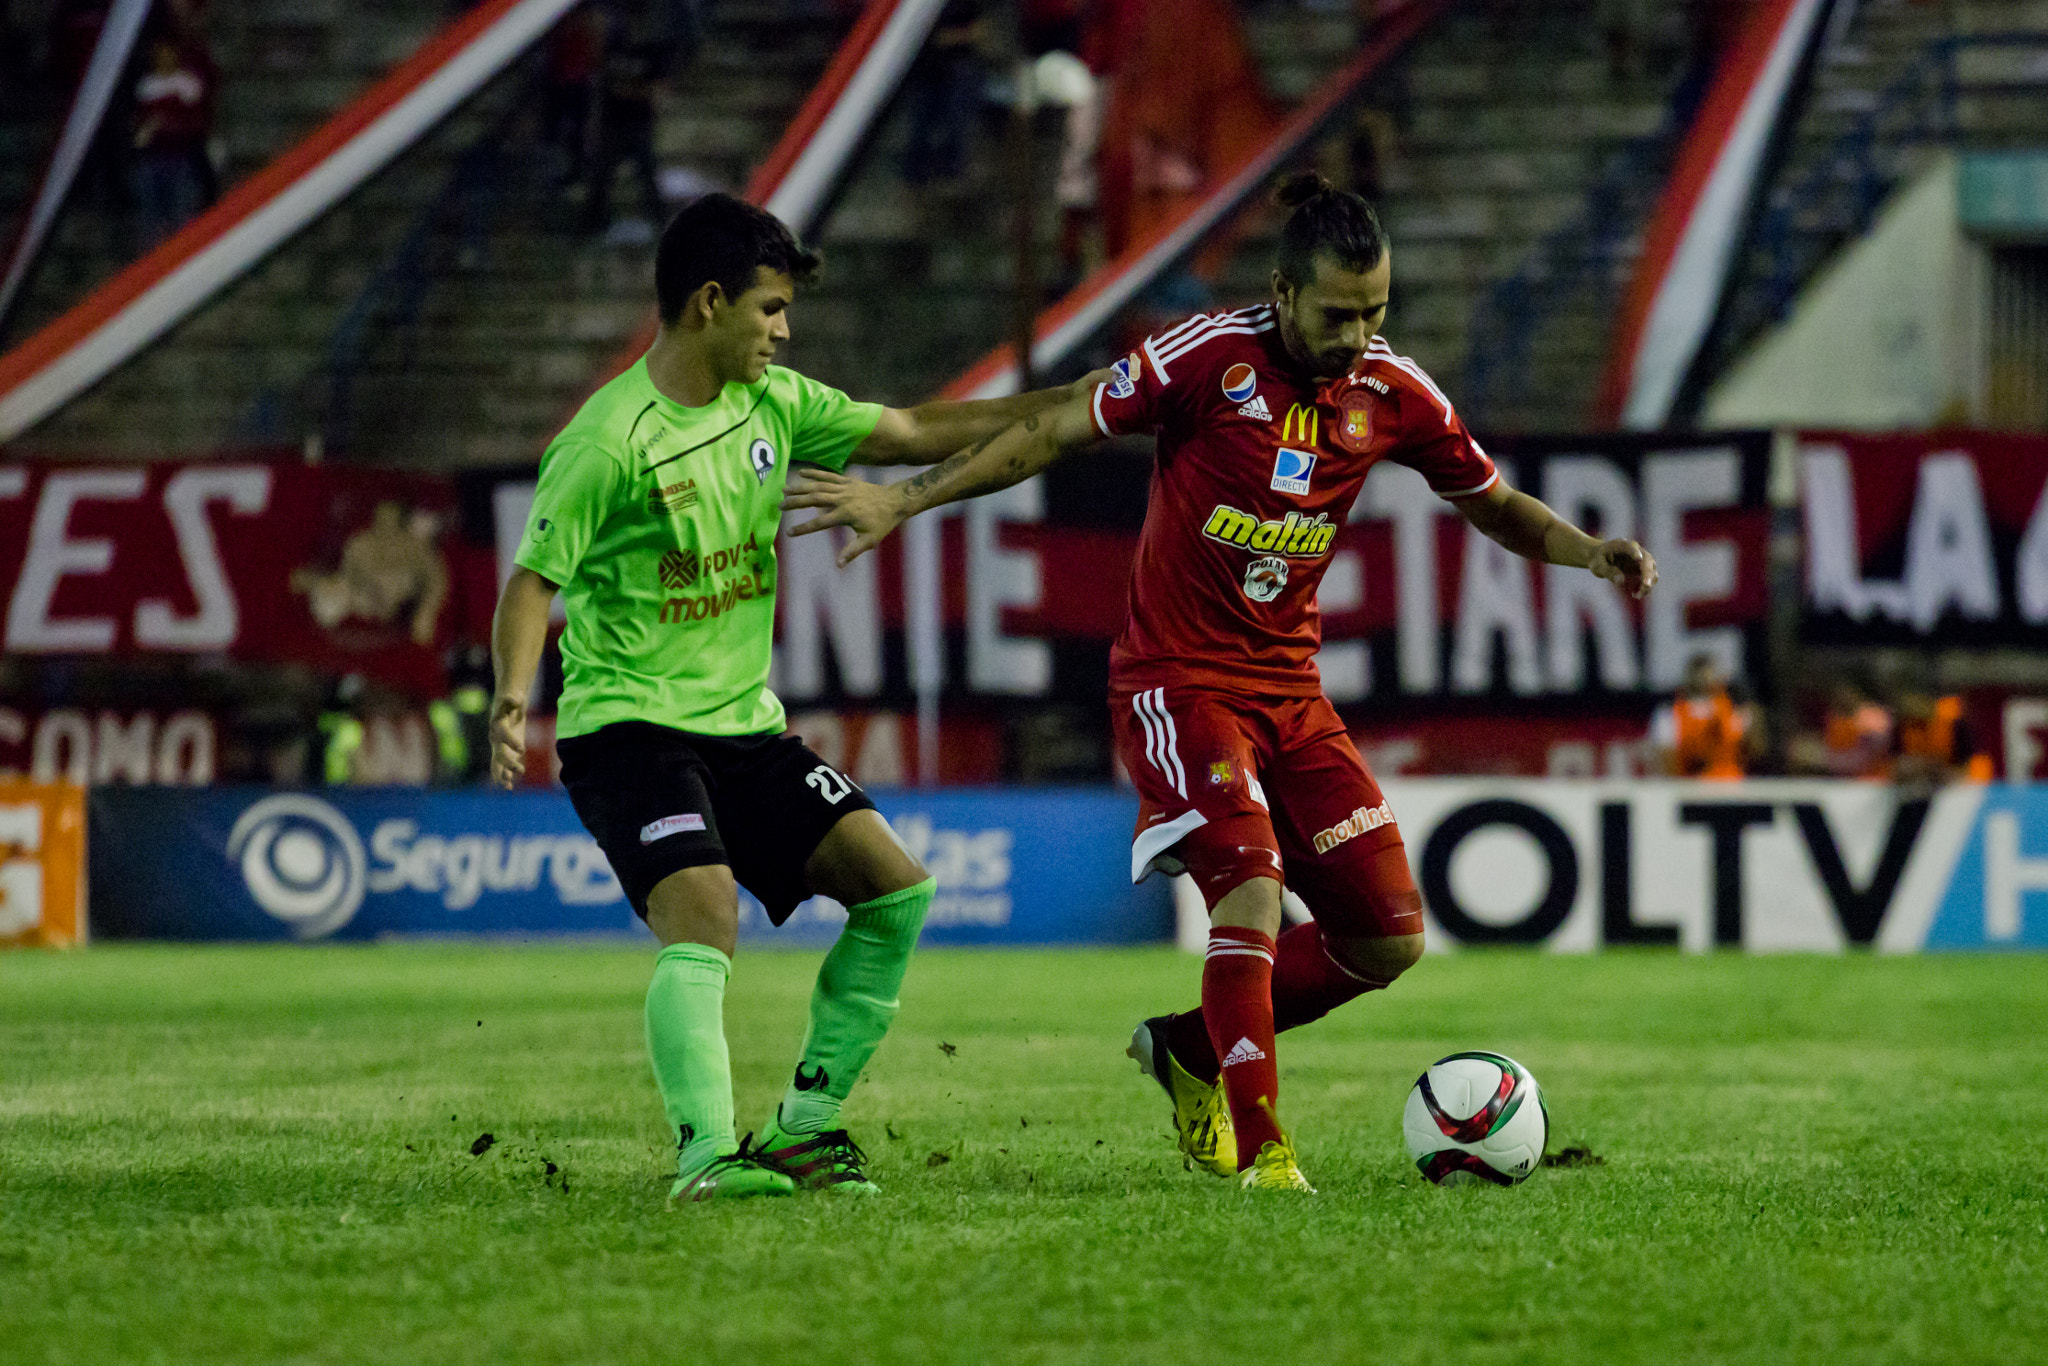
[1240, 381]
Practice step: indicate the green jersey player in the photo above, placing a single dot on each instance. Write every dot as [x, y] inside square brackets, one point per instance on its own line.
[655, 517]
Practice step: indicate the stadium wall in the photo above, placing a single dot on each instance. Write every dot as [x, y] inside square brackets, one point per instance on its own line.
[1566, 866]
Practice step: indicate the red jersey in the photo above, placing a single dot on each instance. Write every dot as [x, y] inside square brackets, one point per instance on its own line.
[1258, 467]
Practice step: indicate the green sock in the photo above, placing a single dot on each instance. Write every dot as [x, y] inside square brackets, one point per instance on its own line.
[853, 1004]
[686, 1044]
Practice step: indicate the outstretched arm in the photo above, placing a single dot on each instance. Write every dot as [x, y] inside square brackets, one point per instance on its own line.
[933, 431]
[1528, 527]
[519, 631]
[998, 460]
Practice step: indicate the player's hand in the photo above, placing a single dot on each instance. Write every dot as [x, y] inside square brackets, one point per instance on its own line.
[872, 510]
[1627, 564]
[508, 740]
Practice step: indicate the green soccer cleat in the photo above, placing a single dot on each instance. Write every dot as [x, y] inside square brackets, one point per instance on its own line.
[730, 1176]
[824, 1161]
[1201, 1119]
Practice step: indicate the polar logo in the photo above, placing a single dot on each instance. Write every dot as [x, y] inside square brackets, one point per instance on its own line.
[302, 861]
[1264, 578]
[1240, 382]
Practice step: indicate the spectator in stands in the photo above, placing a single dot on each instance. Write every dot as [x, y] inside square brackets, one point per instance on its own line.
[1704, 732]
[1855, 740]
[944, 88]
[625, 134]
[173, 118]
[1934, 744]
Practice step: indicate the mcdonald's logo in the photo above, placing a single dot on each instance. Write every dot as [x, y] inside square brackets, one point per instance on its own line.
[1300, 425]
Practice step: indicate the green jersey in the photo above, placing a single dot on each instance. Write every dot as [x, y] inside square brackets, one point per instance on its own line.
[659, 523]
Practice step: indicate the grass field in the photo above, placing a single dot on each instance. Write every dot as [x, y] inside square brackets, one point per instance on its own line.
[227, 1155]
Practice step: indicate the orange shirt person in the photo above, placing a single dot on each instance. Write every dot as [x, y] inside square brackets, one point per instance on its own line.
[1702, 732]
[1933, 743]
[1856, 740]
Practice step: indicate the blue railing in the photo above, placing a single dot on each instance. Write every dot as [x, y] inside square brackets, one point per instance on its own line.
[1591, 253]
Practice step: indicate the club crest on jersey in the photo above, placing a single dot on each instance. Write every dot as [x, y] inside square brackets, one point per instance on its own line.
[1264, 578]
[1240, 382]
[762, 456]
[1292, 470]
[1354, 425]
[1222, 773]
[1122, 382]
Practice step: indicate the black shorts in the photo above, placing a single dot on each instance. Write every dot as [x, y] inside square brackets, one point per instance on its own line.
[659, 800]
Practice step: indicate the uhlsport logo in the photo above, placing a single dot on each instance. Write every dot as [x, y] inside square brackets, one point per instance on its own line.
[678, 568]
[762, 455]
[1292, 470]
[1240, 382]
[302, 862]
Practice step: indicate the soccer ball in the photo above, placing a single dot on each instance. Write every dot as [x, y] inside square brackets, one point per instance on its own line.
[1476, 1117]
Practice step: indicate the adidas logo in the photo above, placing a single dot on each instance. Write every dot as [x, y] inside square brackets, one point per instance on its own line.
[1244, 1051]
[1256, 408]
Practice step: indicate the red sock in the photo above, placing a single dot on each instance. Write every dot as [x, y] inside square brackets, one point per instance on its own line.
[1307, 985]
[1237, 1005]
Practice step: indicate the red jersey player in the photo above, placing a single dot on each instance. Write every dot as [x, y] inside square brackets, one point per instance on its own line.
[1268, 420]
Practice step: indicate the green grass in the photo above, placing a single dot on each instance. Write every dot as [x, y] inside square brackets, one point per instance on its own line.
[227, 1155]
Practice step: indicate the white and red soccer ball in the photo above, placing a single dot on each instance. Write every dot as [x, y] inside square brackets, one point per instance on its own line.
[1476, 1117]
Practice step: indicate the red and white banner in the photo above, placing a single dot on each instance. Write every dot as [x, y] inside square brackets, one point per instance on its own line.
[341, 570]
[86, 745]
[1693, 237]
[133, 309]
[1936, 537]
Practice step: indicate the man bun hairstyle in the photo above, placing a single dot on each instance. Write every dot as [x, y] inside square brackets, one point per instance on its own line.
[716, 237]
[1325, 221]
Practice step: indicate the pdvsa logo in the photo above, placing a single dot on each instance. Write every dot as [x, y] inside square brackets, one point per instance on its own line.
[1240, 382]
[302, 862]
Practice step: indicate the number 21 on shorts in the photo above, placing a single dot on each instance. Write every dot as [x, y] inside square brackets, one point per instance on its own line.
[832, 785]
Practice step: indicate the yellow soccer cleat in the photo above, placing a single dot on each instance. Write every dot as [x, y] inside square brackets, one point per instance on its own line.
[1275, 1169]
[1201, 1119]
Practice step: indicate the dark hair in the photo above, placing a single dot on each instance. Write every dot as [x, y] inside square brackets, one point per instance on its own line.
[1326, 221]
[717, 237]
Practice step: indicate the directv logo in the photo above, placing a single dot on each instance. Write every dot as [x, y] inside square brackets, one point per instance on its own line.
[302, 862]
[1291, 470]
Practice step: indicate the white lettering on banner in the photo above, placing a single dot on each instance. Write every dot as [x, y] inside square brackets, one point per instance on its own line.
[999, 578]
[1495, 599]
[460, 869]
[2030, 572]
[1590, 492]
[1414, 511]
[972, 869]
[1346, 665]
[813, 590]
[1675, 483]
[1949, 562]
[2025, 720]
[245, 489]
[68, 745]
[2007, 876]
[21, 877]
[52, 555]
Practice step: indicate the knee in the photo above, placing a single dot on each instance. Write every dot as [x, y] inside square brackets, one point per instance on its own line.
[698, 905]
[1380, 959]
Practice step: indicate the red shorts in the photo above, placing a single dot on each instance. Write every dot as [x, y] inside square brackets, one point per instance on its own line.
[1233, 787]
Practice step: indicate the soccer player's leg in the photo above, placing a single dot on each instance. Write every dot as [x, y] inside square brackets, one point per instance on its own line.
[1192, 761]
[1346, 860]
[826, 837]
[640, 791]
